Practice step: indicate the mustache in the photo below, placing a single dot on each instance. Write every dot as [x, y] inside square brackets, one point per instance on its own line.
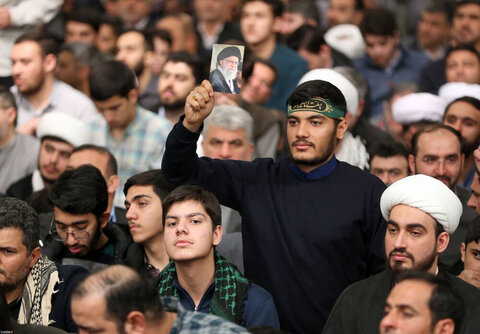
[302, 141]
[400, 251]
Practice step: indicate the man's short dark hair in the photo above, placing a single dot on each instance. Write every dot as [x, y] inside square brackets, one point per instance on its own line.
[275, 5]
[111, 78]
[192, 61]
[152, 178]
[7, 100]
[467, 99]
[440, 8]
[306, 37]
[463, 47]
[378, 21]
[86, 16]
[318, 88]
[473, 233]
[198, 194]
[124, 291]
[444, 303]
[47, 43]
[432, 128]
[147, 39]
[389, 149]
[115, 22]
[112, 166]
[80, 191]
[15, 213]
[306, 8]
[162, 34]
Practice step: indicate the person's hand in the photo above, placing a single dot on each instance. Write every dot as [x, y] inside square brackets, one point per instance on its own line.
[198, 106]
[30, 127]
[471, 276]
[5, 19]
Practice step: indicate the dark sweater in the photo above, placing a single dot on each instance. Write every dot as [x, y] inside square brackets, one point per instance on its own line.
[360, 307]
[305, 238]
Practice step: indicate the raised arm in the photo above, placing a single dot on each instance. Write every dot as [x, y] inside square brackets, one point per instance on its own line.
[198, 106]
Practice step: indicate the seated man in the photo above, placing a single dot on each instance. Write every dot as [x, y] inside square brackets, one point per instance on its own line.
[143, 200]
[37, 290]
[82, 234]
[430, 299]
[421, 213]
[117, 300]
[470, 250]
[203, 280]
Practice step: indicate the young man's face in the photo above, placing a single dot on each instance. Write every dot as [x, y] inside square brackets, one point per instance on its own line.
[79, 32]
[341, 12]
[131, 51]
[258, 88]
[53, 158]
[175, 83]
[29, 67]
[471, 256]
[462, 66]
[464, 118]
[220, 143]
[87, 231]
[410, 241]
[466, 24]
[389, 169]
[381, 48]
[106, 38]
[67, 68]
[15, 261]
[312, 138]
[144, 214]
[161, 49]
[188, 232]
[407, 310]
[438, 155]
[118, 111]
[257, 22]
[433, 29]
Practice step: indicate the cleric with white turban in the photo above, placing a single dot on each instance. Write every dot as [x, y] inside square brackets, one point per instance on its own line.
[427, 194]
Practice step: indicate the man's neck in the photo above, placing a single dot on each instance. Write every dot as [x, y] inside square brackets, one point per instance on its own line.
[13, 295]
[40, 98]
[173, 114]
[4, 141]
[196, 276]
[265, 49]
[155, 252]
[143, 80]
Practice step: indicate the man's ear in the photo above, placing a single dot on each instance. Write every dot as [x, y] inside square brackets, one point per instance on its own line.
[463, 249]
[411, 163]
[135, 323]
[444, 326]
[11, 115]
[113, 183]
[217, 235]
[148, 58]
[49, 63]
[442, 242]
[277, 24]
[133, 96]
[34, 256]
[341, 129]
[104, 219]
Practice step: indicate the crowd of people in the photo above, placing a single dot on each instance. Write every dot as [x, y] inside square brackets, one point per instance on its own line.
[235, 166]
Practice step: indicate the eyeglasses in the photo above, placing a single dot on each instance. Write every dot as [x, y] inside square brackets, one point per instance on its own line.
[62, 234]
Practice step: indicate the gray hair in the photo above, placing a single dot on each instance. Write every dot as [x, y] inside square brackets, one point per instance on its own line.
[231, 118]
[83, 53]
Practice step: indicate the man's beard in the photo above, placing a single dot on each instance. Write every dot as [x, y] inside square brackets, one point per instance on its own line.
[139, 68]
[174, 105]
[470, 147]
[450, 183]
[317, 160]
[227, 73]
[14, 280]
[397, 267]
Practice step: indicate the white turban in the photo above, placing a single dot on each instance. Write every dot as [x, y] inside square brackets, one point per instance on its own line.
[427, 194]
[417, 107]
[64, 126]
[343, 84]
[347, 39]
[453, 90]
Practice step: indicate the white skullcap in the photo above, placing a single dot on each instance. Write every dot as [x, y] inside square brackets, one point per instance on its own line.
[453, 90]
[427, 194]
[346, 87]
[347, 39]
[64, 126]
[417, 107]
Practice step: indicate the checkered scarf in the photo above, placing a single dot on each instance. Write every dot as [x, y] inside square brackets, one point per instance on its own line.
[230, 289]
[37, 293]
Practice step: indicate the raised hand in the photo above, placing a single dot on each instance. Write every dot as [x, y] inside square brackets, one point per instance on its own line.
[198, 106]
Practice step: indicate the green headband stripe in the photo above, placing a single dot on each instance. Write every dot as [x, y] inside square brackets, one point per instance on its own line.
[317, 104]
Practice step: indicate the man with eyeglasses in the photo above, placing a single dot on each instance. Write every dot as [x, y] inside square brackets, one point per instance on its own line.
[81, 232]
[223, 78]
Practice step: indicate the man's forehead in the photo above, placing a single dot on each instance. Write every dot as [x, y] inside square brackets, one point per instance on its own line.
[9, 235]
[89, 157]
[386, 162]
[177, 68]
[414, 294]
[462, 108]
[429, 140]
[220, 133]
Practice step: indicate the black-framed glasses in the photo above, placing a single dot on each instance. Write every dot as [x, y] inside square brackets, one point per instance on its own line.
[62, 234]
